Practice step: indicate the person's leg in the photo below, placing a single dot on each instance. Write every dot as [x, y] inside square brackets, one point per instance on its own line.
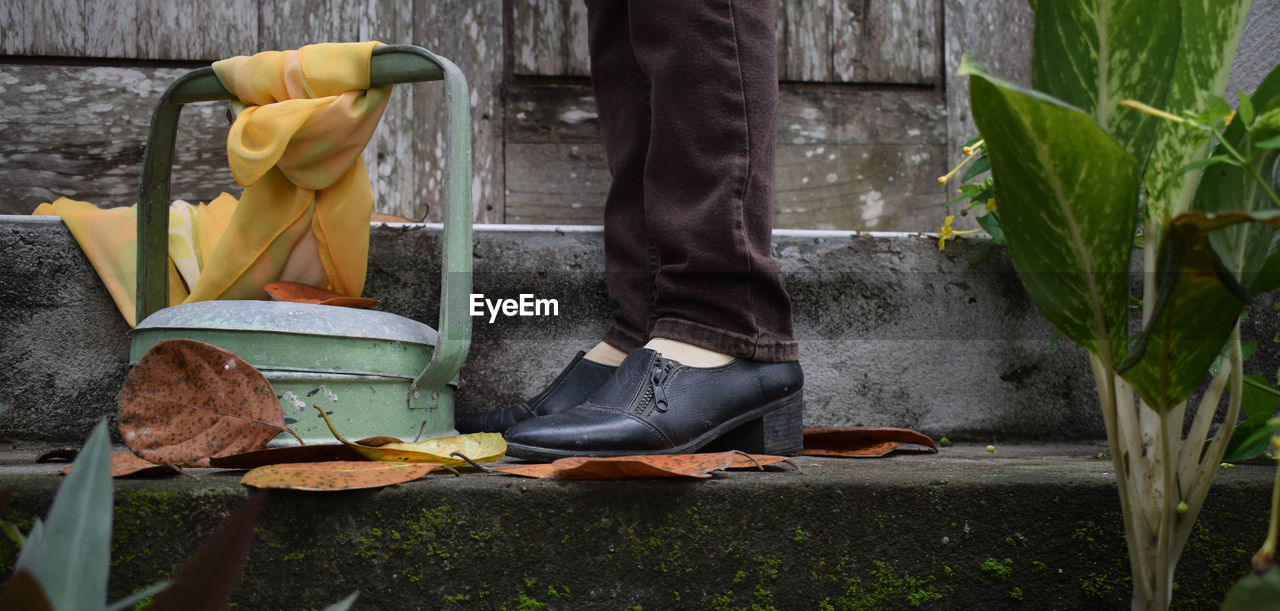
[622, 98]
[706, 190]
[630, 262]
[708, 176]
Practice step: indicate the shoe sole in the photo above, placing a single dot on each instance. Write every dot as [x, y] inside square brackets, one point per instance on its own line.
[775, 428]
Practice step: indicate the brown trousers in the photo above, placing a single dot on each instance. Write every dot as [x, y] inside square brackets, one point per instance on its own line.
[687, 92]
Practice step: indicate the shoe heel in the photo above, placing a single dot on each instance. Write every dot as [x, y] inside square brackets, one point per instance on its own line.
[779, 432]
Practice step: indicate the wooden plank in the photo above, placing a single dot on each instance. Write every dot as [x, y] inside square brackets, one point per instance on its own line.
[537, 37]
[111, 28]
[477, 49]
[552, 134]
[15, 26]
[577, 52]
[870, 187]
[848, 19]
[289, 24]
[389, 157]
[999, 35]
[805, 39]
[56, 27]
[551, 113]
[196, 29]
[556, 183]
[80, 132]
[901, 43]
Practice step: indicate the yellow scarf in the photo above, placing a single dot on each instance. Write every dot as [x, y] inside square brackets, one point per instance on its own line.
[303, 119]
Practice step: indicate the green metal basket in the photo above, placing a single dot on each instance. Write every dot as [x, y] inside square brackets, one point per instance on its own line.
[375, 372]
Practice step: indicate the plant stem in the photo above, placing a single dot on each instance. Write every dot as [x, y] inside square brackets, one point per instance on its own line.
[1195, 493]
[1267, 554]
[1104, 379]
[1165, 561]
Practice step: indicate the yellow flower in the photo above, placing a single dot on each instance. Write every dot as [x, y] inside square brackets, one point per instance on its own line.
[1155, 112]
[945, 232]
[970, 153]
[1229, 118]
[991, 205]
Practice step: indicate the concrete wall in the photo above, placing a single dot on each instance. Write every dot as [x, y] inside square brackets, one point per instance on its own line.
[892, 331]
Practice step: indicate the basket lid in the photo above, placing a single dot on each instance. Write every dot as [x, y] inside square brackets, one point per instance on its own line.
[288, 317]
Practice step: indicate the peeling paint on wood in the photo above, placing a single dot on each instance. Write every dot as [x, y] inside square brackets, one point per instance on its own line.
[80, 132]
[111, 29]
[999, 35]
[804, 40]
[901, 42]
[196, 29]
[468, 32]
[549, 38]
[556, 183]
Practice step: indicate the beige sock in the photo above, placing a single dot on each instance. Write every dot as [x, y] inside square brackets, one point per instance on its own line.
[688, 354]
[605, 355]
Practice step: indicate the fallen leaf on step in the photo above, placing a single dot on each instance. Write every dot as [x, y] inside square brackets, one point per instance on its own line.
[67, 454]
[186, 401]
[297, 292]
[861, 441]
[756, 461]
[124, 464]
[336, 475]
[698, 466]
[315, 452]
[479, 447]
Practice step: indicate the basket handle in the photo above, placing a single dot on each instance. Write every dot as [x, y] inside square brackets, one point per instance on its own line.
[390, 64]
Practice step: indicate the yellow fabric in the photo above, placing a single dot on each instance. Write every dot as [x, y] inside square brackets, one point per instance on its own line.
[109, 238]
[295, 146]
[303, 119]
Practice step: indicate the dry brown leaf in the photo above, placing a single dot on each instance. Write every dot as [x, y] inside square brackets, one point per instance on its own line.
[124, 464]
[861, 441]
[756, 461]
[699, 466]
[187, 401]
[324, 452]
[335, 475]
[297, 292]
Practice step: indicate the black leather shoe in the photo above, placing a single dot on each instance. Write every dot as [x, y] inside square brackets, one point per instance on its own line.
[578, 380]
[654, 405]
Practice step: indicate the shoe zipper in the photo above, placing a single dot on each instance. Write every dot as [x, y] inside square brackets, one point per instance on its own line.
[655, 395]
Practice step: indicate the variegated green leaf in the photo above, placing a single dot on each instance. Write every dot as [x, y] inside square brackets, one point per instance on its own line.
[1191, 320]
[1245, 248]
[1068, 198]
[1094, 53]
[1210, 32]
[1196, 307]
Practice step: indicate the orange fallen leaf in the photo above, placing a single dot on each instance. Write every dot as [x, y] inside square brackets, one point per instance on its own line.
[304, 293]
[335, 475]
[699, 466]
[861, 441]
[324, 452]
[186, 401]
[124, 464]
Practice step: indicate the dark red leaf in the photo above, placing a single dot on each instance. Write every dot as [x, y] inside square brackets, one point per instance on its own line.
[861, 441]
[205, 581]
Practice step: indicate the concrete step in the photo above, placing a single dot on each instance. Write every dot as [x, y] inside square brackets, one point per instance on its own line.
[893, 332]
[1030, 526]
